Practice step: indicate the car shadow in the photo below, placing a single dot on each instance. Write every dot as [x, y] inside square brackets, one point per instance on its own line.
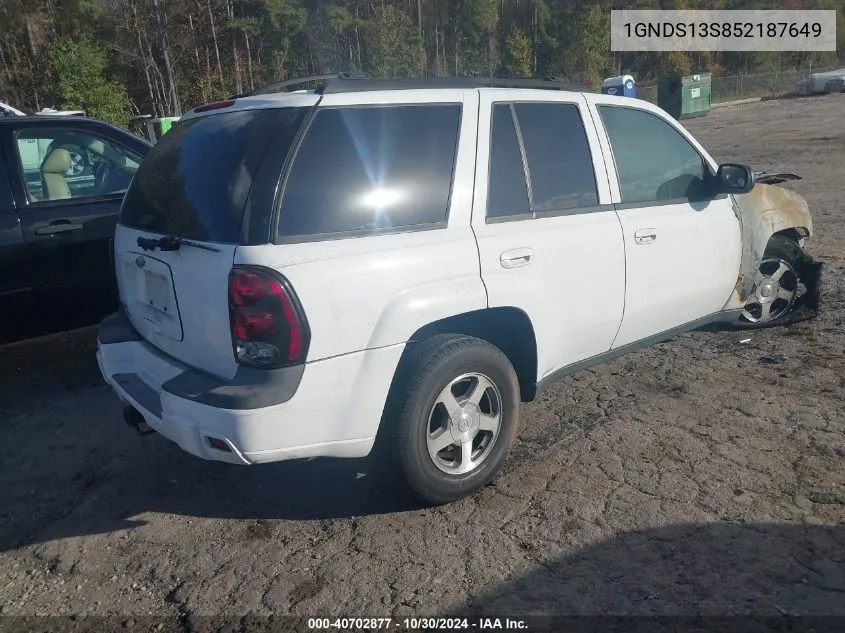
[159, 477]
[730, 576]
[70, 466]
[65, 314]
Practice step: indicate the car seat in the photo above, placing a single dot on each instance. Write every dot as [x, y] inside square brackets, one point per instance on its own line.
[53, 171]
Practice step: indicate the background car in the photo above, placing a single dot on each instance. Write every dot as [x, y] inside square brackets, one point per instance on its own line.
[62, 180]
[7, 110]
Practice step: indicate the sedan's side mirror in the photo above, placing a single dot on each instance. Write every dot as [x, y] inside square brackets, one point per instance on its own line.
[734, 178]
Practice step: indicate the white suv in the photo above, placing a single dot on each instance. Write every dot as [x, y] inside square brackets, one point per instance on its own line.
[300, 273]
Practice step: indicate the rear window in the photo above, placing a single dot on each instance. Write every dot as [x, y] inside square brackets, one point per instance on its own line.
[373, 168]
[195, 181]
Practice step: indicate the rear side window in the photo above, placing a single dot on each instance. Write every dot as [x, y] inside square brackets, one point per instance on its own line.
[559, 159]
[507, 192]
[361, 169]
[195, 181]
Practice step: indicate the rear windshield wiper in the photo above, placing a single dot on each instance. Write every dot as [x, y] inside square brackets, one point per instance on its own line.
[171, 243]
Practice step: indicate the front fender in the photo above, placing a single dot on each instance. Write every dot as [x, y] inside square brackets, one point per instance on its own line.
[764, 211]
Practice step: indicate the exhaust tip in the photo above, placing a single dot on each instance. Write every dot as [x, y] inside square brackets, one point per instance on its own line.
[133, 418]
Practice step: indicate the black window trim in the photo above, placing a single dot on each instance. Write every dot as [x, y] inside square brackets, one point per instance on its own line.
[66, 202]
[665, 203]
[523, 153]
[556, 213]
[278, 182]
[534, 214]
[392, 230]
[625, 206]
[513, 217]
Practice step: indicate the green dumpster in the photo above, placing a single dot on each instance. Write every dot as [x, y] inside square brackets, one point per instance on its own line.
[154, 128]
[165, 123]
[685, 97]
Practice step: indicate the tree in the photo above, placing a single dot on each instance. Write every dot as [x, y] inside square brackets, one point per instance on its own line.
[171, 55]
[591, 47]
[79, 81]
[395, 51]
[518, 54]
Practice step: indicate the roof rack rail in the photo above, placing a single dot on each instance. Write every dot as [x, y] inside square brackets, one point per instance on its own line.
[278, 85]
[340, 84]
[333, 83]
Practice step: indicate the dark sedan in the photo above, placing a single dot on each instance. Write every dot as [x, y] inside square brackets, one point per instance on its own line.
[62, 180]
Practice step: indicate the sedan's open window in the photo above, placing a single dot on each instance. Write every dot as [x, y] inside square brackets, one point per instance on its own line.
[61, 164]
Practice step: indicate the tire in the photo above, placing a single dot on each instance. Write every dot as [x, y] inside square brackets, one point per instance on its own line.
[418, 415]
[784, 259]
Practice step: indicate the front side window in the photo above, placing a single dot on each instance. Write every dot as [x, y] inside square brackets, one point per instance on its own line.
[372, 168]
[63, 164]
[654, 162]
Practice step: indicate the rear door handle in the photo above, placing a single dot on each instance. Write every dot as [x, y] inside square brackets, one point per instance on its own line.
[59, 226]
[516, 257]
[645, 236]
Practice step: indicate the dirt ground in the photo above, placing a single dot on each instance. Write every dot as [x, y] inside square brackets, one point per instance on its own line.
[691, 478]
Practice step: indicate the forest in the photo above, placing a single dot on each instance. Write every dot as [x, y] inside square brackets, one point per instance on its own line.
[120, 58]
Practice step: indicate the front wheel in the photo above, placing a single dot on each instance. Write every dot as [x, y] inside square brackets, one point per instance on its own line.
[456, 418]
[779, 285]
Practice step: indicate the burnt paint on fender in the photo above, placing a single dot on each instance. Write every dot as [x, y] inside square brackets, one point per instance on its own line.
[764, 211]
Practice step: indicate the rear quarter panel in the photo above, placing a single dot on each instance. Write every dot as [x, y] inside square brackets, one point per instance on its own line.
[375, 291]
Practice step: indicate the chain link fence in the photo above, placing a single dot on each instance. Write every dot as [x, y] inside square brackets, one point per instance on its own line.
[744, 86]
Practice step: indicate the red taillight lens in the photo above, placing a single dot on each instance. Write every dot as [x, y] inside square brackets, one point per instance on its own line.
[267, 323]
[251, 323]
[219, 105]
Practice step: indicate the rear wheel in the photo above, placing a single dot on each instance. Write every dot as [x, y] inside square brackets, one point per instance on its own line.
[456, 417]
[779, 286]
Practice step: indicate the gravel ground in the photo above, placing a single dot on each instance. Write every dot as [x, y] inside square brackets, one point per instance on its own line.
[688, 478]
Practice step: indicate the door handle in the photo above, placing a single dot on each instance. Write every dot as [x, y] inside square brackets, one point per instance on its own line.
[59, 226]
[645, 236]
[516, 257]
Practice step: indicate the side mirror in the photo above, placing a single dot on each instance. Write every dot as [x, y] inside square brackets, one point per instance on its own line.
[734, 178]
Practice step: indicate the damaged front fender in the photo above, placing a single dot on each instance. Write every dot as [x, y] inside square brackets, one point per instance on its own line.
[763, 212]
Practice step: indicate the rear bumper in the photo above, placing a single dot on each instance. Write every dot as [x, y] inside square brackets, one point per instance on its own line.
[328, 408]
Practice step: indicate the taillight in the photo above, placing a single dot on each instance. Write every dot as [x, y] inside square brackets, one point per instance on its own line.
[268, 326]
[219, 105]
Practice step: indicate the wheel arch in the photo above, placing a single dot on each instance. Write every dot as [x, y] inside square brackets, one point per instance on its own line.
[796, 234]
[508, 328]
[766, 211]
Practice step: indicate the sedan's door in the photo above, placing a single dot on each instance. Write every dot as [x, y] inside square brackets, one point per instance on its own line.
[682, 242]
[14, 273]
[549, 240]
[69, 184]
